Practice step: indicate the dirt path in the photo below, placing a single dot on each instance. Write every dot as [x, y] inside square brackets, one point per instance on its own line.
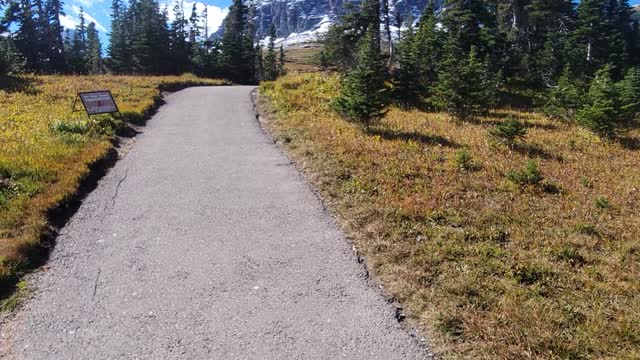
[204, 243]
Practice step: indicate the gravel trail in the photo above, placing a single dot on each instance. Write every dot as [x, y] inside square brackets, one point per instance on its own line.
[203, 242]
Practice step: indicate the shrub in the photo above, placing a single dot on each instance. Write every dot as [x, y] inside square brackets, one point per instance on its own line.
[74, 127]
[464, 160]
[509, 130]
[602, 202]
[529, 175]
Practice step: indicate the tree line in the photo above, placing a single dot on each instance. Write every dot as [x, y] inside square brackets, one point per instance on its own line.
[578, 61]
[142, 41]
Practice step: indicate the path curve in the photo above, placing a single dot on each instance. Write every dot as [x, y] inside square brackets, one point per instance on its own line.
[204, 243]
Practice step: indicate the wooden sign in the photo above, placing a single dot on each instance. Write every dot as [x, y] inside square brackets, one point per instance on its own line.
[98, 102]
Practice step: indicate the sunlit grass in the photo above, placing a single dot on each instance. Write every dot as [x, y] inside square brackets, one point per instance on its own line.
[490, 267]
[45, 148]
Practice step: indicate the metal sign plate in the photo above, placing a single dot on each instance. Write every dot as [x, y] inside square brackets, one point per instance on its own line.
[98, 102]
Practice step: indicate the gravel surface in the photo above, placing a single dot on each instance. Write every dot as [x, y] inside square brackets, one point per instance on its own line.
[203, 242]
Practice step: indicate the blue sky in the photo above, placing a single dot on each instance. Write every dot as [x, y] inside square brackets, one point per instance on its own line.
[98, 11]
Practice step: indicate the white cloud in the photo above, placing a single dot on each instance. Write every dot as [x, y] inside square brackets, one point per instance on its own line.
[87, 18]
[68, 22]
[215, 14]
[89, 3]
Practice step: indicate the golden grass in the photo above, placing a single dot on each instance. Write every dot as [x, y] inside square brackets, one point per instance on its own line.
[489, 269]
[39, 167]
[302, 57]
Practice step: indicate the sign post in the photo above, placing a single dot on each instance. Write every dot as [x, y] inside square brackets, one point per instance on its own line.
[97, 102]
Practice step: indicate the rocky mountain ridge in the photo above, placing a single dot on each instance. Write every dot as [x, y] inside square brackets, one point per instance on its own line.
[299, 21]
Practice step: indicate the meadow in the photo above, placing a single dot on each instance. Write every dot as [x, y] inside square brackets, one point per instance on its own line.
[46, 150]
[493, 257]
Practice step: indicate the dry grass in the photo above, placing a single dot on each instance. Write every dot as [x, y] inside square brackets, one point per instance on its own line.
[41, 166]
[489, 268]
[302, 57]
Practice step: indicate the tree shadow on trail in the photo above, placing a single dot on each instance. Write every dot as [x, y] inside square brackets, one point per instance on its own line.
[389, 134]
[12, 84]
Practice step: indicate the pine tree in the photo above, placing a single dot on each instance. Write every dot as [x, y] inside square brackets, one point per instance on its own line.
[361, 97]
[118, 50]
[465, 87]
[94, 50]
[602, 113]
[55, 43]
[428, 47]
[270, 61]
[566, 97]
[178, 38]
[77, 48]
[234, 46]
[408, 89]
[11, 61]
[629, 91]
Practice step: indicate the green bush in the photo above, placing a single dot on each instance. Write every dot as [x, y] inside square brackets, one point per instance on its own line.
[529, 175]
[602, 202]
[464, 160]
[70, 126]
[509, 130]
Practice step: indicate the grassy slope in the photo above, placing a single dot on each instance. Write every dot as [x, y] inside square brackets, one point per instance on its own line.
[489, 269]
[40, 167]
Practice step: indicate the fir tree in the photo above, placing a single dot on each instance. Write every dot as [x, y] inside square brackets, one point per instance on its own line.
[428, 48]
[11, 61]
[629, 90]
[602, 113]
[270, 61]
[408, 87]
[465, 85]
[94, 50]
[118, 50]
[361, 97]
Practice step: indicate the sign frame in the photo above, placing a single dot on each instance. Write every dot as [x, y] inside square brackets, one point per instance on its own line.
[86, 109]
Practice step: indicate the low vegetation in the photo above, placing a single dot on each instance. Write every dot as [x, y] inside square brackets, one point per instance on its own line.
[524, 250]
[45, 149]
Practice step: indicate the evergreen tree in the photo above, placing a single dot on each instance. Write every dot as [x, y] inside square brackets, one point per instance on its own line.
[361, 97]
[629, 90]
[178, 39]
[602, 36]
[77, 47]
[408, 86]
[566, 97]
[602, 113]
[235, 47]
[94, 50]
[465, 87]
[428, 48]
[55, 54]
[118, 50]
[270, 61]
[11, 62]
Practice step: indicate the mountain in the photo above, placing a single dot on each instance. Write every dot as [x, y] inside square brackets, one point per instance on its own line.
[299, 21]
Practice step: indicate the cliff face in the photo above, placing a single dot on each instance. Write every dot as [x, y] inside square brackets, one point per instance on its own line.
[302, 20]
